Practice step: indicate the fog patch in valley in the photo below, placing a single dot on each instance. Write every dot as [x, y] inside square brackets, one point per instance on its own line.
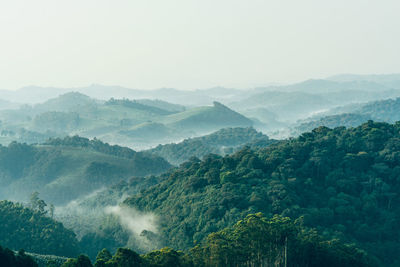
[133, 220]
[142, 227]
[84, 215]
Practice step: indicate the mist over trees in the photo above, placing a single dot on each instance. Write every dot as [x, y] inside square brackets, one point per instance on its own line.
[302, 174]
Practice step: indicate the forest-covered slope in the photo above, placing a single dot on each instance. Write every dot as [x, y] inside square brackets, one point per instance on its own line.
[353, 115]
[253, 241]
[64, 169]
[224, 141]
[34, 231]
[332, 121]
[343, 182]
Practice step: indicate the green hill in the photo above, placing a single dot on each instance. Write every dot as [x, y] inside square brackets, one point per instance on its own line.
[385, 110]
[69, 102]
[222, 142]
[288, 106]
[134, 123]
[174, 108]
[345, 119]
[350, 116]
[205, 119]
[65, 169]
[343, 182]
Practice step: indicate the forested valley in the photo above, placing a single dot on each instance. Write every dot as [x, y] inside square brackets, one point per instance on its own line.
[305, 174]
[328, 196]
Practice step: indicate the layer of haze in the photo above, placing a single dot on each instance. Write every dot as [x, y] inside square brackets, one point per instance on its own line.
[189, 44]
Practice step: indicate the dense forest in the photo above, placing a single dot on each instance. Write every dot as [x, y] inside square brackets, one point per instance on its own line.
[387, 110]
[252, 241]
[345, 119]
[199, 133]
[34, 230]
[343, 182]
[332, 193]
[224, 141]
[64, 169]
[9, 258]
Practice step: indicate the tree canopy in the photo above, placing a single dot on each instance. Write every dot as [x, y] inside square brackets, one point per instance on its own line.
[343, 182]
[31, 230]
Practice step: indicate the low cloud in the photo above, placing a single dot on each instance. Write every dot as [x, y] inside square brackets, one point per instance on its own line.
[134, 220]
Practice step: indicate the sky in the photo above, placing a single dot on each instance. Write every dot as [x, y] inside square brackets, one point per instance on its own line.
[189, 44]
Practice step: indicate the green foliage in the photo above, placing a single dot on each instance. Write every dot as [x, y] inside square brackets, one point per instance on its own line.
[47, 260]
[258, 241]
[24, 228]
[102, 257]
[384, 110]
[343, 182]
[80, 261]
[124, 258]
[97, 230]
[9, 259]
[346, 120]
[222, 142]
[64, 169]
[253, 241]
[57, 121]
[206, 119]
[166, 257]
[136, 105]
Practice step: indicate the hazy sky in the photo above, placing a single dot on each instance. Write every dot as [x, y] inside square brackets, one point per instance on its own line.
[190, 44]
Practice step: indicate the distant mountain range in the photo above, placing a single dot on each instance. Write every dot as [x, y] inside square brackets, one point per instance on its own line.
[146, 118]
[353, 115]
[138, 124]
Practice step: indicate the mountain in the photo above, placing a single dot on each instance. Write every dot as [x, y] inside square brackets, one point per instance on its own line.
[390, 80]
[385, 110]
[135, 123]
[68, 102]
[65, 169]
[222, 142]
[264, 119]
[301, 100]
[31, 94]
[36, 94]
[341, 120]
[207, 119]
[323, 86]
[34, 231]
[342, 182]
[173, 108]
[287, 106]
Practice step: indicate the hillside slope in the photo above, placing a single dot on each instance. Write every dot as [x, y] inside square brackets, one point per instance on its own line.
[350, 116]
[23, 228]
[222, 142]
[206, 119]
[64, 169]
[135, 123]
[341, 181]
